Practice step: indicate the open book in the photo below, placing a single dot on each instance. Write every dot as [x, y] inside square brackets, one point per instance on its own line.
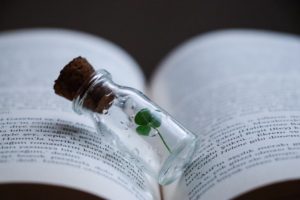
[238, 90]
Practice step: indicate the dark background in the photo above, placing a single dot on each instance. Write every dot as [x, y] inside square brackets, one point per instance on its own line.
[149, 29]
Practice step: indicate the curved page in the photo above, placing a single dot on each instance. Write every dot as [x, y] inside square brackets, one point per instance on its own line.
[239, 91]
[41, 139]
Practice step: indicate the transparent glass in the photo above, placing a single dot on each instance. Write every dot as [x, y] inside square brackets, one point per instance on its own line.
[142, 130]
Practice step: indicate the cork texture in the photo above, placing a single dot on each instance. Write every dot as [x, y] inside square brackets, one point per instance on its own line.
[72, 77]
[76, 75]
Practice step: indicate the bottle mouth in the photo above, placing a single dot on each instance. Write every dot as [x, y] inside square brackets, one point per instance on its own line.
[101, 73]
[87, 90]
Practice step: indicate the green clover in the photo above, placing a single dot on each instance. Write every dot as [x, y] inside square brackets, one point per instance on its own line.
[146, 120]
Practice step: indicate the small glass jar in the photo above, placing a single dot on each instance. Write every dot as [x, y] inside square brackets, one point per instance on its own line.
[132, 122]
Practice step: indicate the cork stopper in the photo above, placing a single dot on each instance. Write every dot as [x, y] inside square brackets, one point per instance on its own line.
[72, 77]
[76, 75]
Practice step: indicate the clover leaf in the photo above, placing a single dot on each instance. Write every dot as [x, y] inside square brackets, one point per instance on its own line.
[146, 120]
[143, 117]
[143, 130]
[155, 121]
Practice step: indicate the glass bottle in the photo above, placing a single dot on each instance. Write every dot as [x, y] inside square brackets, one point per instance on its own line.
[132, 122]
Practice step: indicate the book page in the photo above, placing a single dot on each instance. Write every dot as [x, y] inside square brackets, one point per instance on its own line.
[41, 139]
[239, 92]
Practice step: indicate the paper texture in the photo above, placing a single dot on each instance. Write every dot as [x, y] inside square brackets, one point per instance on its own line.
[41, 139]
[239, 91]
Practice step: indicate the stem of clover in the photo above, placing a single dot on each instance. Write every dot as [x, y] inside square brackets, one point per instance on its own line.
[146, 120]
[162, 139]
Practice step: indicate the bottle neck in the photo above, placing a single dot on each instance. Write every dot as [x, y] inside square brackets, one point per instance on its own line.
[96, 94]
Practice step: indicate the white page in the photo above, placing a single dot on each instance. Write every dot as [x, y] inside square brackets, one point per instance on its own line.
[239, 91]
[41, 139]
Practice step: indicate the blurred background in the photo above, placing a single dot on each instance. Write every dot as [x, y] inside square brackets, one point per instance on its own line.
[148, 30]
